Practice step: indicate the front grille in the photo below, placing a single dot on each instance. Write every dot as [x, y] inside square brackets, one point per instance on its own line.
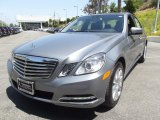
[34, 67]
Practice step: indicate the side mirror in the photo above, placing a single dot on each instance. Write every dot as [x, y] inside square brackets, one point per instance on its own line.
[136, 30]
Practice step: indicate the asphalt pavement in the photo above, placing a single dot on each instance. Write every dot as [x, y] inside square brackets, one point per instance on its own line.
[154, 39]
[140, 99]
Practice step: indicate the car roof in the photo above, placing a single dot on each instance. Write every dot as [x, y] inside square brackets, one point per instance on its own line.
[120, 13]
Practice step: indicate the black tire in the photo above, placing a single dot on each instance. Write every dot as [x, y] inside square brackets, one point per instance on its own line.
[109, 102]
[143, 57]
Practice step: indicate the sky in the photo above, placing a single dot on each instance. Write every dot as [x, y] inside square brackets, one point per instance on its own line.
[9, 9]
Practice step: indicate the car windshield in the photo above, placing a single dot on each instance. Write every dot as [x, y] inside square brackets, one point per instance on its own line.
[97, 23]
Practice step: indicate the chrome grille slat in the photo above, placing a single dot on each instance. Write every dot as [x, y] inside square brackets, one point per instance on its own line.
[19, 64]
[42, 65]
[33, 71]
[41, 74]
[44, 71]
[34, 67]
[15, 65]
[18, 61]
[36, 64]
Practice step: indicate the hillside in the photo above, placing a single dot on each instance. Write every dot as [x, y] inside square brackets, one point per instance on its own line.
[147, 18]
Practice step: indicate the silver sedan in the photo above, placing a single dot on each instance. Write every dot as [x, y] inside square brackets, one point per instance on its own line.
[82, 66]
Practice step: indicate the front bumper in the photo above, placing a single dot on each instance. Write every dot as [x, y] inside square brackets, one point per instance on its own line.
[85, 91]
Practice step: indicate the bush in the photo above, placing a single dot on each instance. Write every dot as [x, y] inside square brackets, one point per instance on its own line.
[147, 18]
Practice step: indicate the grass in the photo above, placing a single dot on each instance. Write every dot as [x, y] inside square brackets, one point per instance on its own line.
[147, 18]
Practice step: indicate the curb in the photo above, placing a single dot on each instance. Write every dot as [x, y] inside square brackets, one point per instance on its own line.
[154, 39]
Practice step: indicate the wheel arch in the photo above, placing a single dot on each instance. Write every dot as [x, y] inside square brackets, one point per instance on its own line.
[122, 60]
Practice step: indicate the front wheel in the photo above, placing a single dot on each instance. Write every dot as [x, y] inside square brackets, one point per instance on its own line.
[114, 89]
[143, 57]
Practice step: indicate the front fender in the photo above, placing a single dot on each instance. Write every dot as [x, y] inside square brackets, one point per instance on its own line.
[117, 52]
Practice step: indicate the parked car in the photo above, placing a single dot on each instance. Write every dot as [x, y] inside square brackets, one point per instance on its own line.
[8, 30]
[84, 65]
[51, 30]
[16, 30]
[13, 30]
[1, 34]
[45, 29]
[4, 31]
[57, 30]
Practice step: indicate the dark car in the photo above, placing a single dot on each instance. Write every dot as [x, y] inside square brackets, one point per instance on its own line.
[1, 34]
[4, 32]
[17, 30]
[13, 30]
[56, 30]
[8, 31]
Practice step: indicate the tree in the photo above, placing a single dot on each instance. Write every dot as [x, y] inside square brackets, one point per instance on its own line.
[11, 25]
[50, 22]
[73, 18]
[2, 23]
[45, 24]
[113, 7]
[129, 6]
[94, 5]
[137, 3]
[154, 3]
[105, 6]
[99, 5]
[68, 20]
[90, 8]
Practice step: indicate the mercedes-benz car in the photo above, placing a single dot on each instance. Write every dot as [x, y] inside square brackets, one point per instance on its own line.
[82, 66]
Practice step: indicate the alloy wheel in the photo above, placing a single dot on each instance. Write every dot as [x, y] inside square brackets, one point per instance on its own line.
[117, 84]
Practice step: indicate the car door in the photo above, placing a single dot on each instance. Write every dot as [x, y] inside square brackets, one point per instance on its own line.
[132, 39]
[141, 37]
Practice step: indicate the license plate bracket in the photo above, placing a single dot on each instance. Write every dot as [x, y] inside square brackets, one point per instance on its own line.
[26, 86]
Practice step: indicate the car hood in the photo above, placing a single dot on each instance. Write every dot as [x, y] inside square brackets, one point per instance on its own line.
[65, 45]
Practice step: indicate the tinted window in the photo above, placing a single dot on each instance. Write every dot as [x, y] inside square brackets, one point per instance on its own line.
[130, 23]
[137, 23]
[97, 23]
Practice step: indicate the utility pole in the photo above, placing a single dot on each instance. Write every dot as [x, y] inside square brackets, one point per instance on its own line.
[155, 25]
[119, 5]
[54, 17]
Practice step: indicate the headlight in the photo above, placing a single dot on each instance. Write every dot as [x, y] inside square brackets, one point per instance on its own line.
[91, 64]
[67, 69]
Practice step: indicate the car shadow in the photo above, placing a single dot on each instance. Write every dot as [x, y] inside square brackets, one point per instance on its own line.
[50, 111]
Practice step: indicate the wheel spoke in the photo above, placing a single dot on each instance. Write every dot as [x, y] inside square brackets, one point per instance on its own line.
[117, 84]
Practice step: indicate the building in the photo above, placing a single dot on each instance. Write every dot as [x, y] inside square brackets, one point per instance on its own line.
[32, 22]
